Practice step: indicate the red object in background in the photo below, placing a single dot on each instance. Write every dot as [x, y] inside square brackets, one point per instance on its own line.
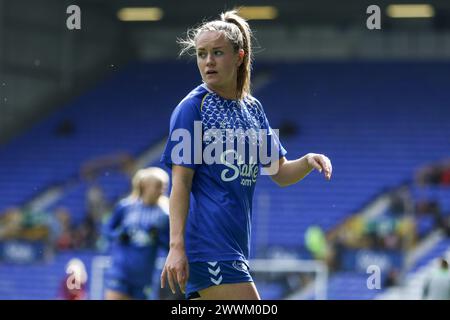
[72, 291]
[445, 178]
[64, 242]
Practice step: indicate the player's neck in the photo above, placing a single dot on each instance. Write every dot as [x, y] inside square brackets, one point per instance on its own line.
[226, 93]
[149, 203]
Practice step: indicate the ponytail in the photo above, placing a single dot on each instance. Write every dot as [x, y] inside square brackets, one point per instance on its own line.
[244, 70]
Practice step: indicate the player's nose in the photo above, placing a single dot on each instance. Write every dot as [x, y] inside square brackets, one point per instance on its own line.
[210, 60]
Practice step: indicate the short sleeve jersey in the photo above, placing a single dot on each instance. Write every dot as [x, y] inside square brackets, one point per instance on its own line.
[205, 127]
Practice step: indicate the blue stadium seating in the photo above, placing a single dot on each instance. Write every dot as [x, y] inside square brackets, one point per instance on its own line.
[39, 281]
[378, 122]
[350, 286]
[437, 251]
[128, 112]
[373, 120]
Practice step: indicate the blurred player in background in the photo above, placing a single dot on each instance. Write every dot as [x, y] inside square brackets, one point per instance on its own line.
[138, 227]
[209, 247]
[437, 284]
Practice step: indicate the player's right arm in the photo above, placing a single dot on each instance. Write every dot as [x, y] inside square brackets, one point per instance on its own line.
[176, 268]
[183, 118]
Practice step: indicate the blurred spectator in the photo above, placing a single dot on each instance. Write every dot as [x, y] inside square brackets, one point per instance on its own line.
[381, 232]
[434, 174]
[391, 241]
[401, 201]
[10, 224]
[406, 229]
[35, 226]
[437, 284]
[86, 234]
[433, 208]
[445, 177]
[320, 247]
[16, 224]
[316, 243]
[62, 230]
[96, 203]
[428, 175]
[353, 233]
[443, 223]
[73, 285]
[385, 232]
[392, 279]
[428, 207]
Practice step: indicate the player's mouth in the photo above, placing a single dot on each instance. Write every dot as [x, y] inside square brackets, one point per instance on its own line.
[211, 72]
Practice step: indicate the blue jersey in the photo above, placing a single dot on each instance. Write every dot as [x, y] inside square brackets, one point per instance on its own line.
[136, 232]
[218, 225]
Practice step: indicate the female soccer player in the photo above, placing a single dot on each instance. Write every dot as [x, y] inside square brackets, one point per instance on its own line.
[211, 201]
[138, 227]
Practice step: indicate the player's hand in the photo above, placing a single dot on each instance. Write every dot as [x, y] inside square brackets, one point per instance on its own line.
[176, 270]
[321, 163]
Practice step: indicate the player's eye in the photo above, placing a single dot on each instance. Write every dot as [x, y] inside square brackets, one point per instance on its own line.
[201, 54]
[218, 52]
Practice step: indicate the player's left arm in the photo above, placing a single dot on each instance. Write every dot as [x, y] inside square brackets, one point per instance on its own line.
[287, 172]
[112, 228]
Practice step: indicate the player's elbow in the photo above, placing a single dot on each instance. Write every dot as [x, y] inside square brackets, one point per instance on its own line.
[280, 181]
[281, 177]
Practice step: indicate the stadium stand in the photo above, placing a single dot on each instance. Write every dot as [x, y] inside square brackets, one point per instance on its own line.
[352, 112]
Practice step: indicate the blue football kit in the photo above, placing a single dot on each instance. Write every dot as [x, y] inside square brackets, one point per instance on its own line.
[205, 127]
[136, 232]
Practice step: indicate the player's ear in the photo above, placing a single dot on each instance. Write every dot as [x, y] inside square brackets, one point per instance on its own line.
[241, 55]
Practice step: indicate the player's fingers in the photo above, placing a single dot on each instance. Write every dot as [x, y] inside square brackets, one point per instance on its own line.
[181, 278]
[170, 278]
[324, 163]
[321, 160]
[184, 275]
[330, 166]
[163, 277]
[187, 271]
[316, 165]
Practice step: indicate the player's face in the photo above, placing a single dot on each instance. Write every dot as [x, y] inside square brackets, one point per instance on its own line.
[152, 189]
[217, 62]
